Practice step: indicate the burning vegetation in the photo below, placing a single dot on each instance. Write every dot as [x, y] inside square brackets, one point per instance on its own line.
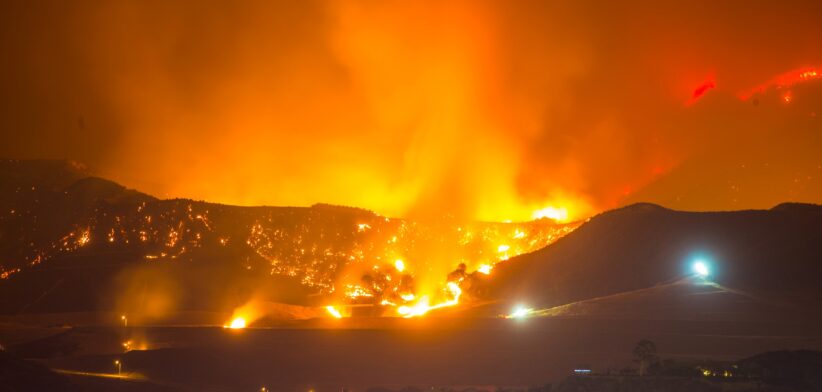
[346, 258]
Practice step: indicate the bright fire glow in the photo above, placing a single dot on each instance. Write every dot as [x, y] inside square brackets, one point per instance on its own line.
[399, 265]
[503, 248]
[484, 269]
[236, 323]
[423, 306]
[557, 214]
[785, 80]
[333, 311]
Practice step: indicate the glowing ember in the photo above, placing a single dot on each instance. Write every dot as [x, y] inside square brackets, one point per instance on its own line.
[503, 248]
[484, 269]
[399, 265]
[333, 311]
[84, 238]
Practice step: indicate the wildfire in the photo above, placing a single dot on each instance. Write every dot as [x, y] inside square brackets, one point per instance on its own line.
[785, 80]
[407, 267]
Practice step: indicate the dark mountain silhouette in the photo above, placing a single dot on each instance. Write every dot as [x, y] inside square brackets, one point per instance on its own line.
[766, 255]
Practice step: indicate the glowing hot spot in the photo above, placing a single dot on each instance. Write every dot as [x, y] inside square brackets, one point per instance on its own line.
[557, 214]
[333, 311]
[236, 323]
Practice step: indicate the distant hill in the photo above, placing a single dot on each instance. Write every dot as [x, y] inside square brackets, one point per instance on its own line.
[767, 252]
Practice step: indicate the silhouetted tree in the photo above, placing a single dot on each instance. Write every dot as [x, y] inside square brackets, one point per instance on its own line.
[645, 355]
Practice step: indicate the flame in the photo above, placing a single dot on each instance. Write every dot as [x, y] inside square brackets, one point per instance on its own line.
[333, 312]
[781, 81]
[130, 345]
[413, 292]
[236, 323]
[423, 305]
[559, 214]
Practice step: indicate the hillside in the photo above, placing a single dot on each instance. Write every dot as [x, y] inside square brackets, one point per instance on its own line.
[776, 252]
[73, 242]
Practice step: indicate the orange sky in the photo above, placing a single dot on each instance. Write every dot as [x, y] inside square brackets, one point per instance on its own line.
[477, 109]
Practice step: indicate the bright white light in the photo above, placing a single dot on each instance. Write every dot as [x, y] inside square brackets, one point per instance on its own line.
[701, 268]
[520, 312]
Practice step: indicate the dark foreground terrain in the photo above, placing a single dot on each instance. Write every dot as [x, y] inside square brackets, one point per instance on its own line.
[426, 352]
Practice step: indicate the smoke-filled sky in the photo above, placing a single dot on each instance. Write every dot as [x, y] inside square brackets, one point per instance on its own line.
[478, 109]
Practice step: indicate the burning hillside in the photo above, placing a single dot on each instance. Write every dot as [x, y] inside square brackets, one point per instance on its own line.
[341, 256]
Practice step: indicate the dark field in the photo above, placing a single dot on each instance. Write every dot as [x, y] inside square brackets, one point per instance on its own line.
[419, 352]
